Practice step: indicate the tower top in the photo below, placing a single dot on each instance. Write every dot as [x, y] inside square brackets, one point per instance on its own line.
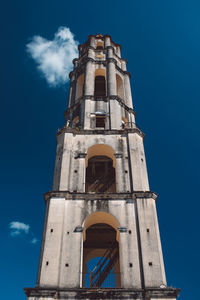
[96, 40]
[100, 85]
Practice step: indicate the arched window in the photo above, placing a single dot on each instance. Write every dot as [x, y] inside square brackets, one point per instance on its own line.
[101, 266]
[120, 87]
[99, 46]
[100, 86]
[79, 86]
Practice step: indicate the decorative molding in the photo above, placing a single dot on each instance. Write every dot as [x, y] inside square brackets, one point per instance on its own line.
[82, 155]
[122, 229]
[118, 155]
[78, 229]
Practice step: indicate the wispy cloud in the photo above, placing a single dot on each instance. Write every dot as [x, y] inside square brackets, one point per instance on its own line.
[18, 228]
[34, 241]
[54, 57]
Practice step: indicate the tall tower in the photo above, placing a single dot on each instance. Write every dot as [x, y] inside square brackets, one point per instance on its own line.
[101, 238]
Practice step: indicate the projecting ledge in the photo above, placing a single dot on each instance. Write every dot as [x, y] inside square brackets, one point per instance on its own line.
[102, 293]
[128, 197]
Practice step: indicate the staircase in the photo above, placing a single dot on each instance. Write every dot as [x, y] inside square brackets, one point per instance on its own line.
[102, 184]
[104, 267]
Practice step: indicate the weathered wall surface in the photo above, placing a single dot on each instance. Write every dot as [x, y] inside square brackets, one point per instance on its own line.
[64, 245]
[70, 167]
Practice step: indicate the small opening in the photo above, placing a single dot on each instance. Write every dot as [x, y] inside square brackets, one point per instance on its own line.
[100, 121]
[126, 171]
[141, 159]
[67, 232]
[147, 229]
[66, 265]
[47, 263]
[51, 230]
[150, 263]
[75, 171]
[129, 231]
[130, 265]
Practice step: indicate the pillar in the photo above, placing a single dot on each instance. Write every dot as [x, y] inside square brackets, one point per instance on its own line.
[119, 177]
[89, 91]
[115, 109]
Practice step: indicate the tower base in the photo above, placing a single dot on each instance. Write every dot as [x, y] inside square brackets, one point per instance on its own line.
[107, 293]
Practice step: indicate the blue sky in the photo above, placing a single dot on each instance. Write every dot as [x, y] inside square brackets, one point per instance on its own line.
[161, 42]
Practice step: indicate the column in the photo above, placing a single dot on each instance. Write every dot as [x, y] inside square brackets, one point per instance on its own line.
[107, 41]
[119, 175]
[92, 41]
[88, 91]
[127, 90]
[112, 84]
[89, 79]
[115, 109]
[81, 173]
[72, 90]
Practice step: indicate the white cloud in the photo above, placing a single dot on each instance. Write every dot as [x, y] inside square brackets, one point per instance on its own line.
[34, 241]
[17, 228]
[54, 57]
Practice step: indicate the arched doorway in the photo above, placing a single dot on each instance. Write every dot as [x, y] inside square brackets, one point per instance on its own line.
[101, 257]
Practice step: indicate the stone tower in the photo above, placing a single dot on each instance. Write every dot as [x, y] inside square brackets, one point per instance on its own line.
[101, 238]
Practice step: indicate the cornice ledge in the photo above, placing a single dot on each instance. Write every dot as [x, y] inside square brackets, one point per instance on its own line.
[124, 131]
[68, 195]
[84, 61]
[135, 130]
[118, 293]
[145, 194]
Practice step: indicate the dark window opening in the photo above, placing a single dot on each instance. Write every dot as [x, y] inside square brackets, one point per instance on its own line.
[100, 121]
[100, 175]
[100, 86]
